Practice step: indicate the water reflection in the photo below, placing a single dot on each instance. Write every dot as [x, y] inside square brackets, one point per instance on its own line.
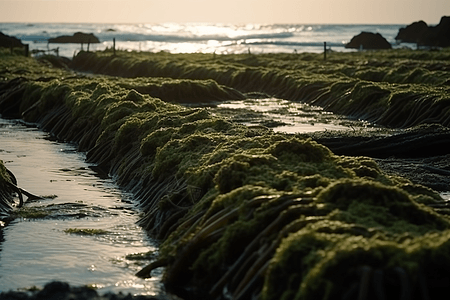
[285, 116]
[40, 246]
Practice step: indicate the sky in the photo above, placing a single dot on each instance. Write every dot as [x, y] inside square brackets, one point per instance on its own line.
[225, 11]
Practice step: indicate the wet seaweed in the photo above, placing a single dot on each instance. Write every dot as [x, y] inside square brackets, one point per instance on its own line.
[246, 212]
[85, 231]
[395, 88]
[6, 193]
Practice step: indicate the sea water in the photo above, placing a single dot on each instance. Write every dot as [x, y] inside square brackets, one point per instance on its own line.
[76, 196]
[199, 37]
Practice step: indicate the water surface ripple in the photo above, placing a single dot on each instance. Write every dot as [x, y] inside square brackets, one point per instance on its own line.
[38, 250]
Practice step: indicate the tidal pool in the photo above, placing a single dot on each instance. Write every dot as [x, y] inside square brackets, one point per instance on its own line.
[285, 116]
[48, 241]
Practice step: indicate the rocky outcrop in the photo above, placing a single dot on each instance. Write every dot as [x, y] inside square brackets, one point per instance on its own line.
[368, 40]
[7, 41]
[412, 33]
[77, 38]
[438, 36]
[422, 34]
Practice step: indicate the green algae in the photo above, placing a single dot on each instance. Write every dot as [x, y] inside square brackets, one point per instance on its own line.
[4, 176]
[5, 190]
[16, 65]
[367, 80]
[31, 213]
[85, 231]
[295, 216]
[141, 256]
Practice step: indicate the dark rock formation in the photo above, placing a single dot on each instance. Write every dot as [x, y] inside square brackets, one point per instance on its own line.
[412, 33]
[368, 40]
[422, 34]
[77, 38]
[7, 41]
[438, 36]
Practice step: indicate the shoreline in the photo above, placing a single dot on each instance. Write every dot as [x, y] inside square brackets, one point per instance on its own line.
[212, 190]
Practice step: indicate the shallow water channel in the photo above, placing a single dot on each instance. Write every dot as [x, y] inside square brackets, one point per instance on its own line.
[285, 116]
[36, 251]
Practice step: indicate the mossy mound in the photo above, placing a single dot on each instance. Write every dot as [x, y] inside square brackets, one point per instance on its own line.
[242, 211]
[397, 88]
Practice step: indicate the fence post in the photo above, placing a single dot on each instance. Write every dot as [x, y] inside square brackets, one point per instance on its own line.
[324, 50]
[27, 49]
[114, 46]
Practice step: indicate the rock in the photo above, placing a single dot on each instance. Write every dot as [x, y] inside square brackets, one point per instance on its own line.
[7, 41]
[77, 38]
[412, 33]
[438, 36]
[422, 34]
[368, 40]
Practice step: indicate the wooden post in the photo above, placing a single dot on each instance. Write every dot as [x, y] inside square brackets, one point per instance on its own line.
[324, 50]
[27, 49]
[114, 46]
[89, 43]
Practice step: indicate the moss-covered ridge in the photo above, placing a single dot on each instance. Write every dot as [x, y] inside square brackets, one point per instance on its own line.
[244, 211]
[397, 88]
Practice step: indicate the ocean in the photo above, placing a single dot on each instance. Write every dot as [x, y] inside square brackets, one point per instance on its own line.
[198, 37]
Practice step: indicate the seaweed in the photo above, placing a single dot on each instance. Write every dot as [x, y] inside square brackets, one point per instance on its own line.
[368, 82]
[87, 231]
[6, 196]
[246, 212]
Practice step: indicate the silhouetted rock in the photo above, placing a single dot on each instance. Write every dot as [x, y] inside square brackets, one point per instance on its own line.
[368, 40]
[78, 38]
[422, 34]
[438, 36]
[7, 41]
[412, 33]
